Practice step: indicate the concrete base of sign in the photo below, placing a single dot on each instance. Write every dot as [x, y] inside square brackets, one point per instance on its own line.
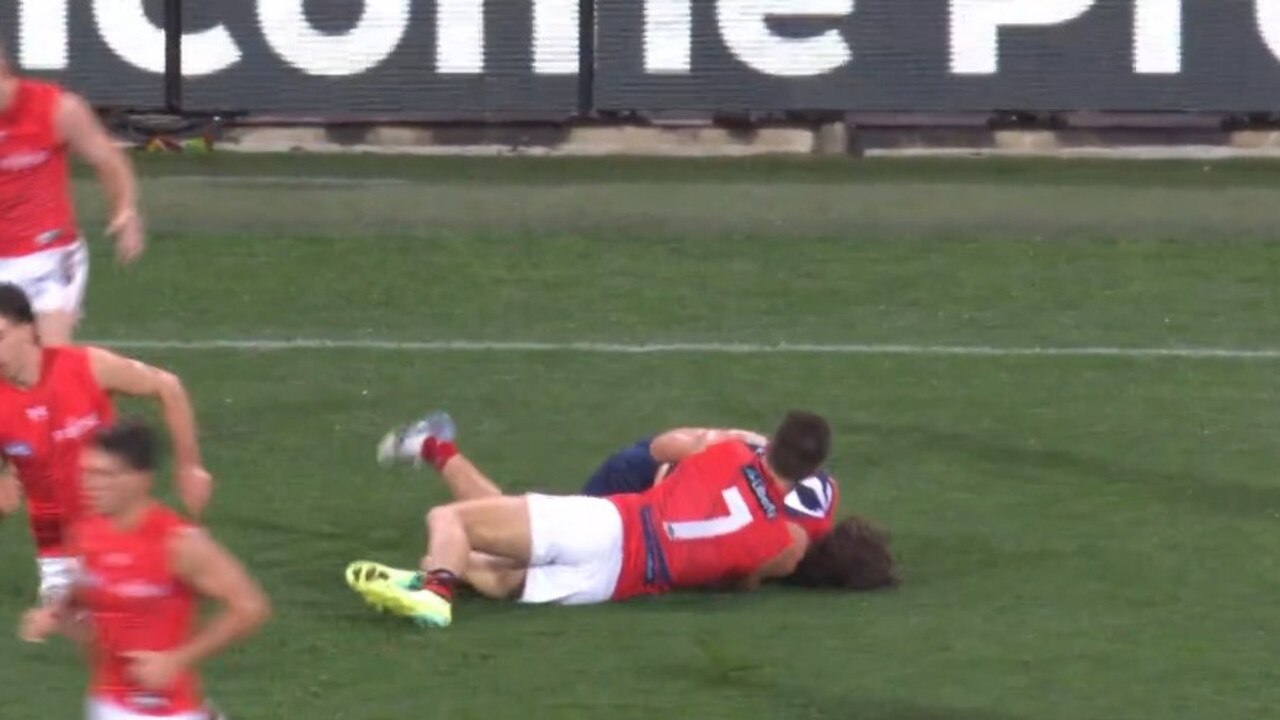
[695, 139]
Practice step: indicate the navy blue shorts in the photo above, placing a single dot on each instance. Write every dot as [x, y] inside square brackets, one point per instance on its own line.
[630, 470]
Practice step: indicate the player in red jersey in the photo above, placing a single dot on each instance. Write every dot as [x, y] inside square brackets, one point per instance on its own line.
[811, 503]
[714, 522]
[41, 248]
[144, 568]
[51, 400]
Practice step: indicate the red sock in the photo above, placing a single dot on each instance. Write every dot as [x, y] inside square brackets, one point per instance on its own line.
[440, 582]
[438, 452]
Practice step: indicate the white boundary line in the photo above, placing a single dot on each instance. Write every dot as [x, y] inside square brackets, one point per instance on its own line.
[694, 348]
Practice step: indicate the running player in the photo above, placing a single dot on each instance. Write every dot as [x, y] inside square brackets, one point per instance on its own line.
[811, 503]
[143, 570]
[51, 400]
[715, 522]
[41, 248]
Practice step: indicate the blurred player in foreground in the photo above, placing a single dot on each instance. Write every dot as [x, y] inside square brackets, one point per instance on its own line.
[811, 503]
[714, 522]
[41, 247]
[143, 570]
[51, 400]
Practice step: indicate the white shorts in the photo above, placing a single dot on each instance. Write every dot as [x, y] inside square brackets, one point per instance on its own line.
[576, 550]
[54, 280]
[100, 709]
[57, 576]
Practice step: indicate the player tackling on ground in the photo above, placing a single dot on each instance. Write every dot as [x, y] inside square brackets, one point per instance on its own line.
[714, 522]
[811, 503]
[143, 569]
[52, 399]
[41, 248]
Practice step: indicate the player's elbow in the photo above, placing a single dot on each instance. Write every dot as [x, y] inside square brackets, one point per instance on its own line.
[166, 385]
[254, 609]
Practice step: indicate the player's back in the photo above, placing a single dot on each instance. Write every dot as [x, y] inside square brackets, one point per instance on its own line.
[135, 603]
[35, 200]
[42, 430]
[717, 517]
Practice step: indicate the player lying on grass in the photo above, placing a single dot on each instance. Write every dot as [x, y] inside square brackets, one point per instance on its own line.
[811, 503]
[851, 555]
[714, 522]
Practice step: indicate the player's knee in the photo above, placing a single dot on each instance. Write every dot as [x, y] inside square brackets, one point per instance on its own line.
[440, 516]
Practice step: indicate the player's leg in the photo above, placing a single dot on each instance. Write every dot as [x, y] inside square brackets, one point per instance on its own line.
[632, 469]
[54, 281]
[59, 294]
[494, 577]
[494, 526]
[56, 327]
[433, 439]
[571, 548]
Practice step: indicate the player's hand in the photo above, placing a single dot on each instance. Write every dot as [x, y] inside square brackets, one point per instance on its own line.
[126, 228]
[38, 624]
[195, 487]
[154, 671]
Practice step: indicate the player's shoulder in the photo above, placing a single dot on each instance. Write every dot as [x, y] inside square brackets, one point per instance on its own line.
[39, 88]
[165, 520]
[813, 497]
[69, 359]
[62, 352]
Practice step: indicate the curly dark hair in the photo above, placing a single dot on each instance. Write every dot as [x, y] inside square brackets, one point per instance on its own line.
[855, 555]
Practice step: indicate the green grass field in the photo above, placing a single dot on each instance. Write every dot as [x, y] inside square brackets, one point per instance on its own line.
[1082, 537]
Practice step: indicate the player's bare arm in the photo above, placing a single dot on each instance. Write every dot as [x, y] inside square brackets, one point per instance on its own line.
[10, 490]
[118, 374]
[84, 134]
[679, 443]
[780, 566]
[214, 573]
[60, 617]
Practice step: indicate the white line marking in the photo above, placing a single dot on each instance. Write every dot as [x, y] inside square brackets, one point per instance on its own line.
[694, 348]
[317, 180]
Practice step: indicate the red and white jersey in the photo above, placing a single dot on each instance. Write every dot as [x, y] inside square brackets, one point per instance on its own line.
[36, 210]
[135, 603]
[42, 431]
[718, 516]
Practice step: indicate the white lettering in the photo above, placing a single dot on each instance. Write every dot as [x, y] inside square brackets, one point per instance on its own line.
[668, 37]
[76, 428]
[131, 36]
[744, 25]
[555, 37]
[1268, 15]
[1157, 37]
[378, 33]
[22, 161]
[975, 27]
[459, 37]
[42, 34]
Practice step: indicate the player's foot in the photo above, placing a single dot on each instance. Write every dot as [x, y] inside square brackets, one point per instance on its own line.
[404, 443]
[401, 596]
[361, 572]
